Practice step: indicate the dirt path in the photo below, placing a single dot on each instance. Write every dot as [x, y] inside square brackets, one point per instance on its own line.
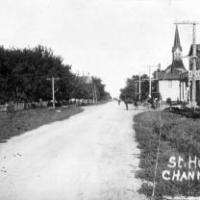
[91, 156]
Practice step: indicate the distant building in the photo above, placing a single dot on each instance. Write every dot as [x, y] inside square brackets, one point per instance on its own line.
[172, 82]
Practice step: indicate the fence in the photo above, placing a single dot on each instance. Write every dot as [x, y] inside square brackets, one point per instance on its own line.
[9, 107]
[180, 198]
[3, 108]
[80, 101]
[22, 106]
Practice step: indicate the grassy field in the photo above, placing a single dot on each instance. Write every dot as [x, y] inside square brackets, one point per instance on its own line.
[15, 123]
[180, 136]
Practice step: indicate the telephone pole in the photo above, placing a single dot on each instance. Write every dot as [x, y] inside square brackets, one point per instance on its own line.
[93, 87]
[53, 79]
[139, 81]
[94, 92]
[194, 67]
[150, 79]
[138, 86]
[194, 57]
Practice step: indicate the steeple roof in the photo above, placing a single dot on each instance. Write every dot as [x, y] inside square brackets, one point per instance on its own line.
[177, 43]
[176, 69]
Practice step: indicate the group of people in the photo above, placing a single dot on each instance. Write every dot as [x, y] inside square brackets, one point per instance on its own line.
[152, 102]
[135, 103]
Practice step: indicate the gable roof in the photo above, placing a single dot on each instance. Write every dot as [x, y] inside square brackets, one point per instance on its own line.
[172, 72]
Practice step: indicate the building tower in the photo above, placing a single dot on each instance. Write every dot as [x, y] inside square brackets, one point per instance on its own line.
[177, 48]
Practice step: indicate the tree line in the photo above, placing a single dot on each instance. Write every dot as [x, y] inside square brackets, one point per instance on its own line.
[25, 74]
[131, 90]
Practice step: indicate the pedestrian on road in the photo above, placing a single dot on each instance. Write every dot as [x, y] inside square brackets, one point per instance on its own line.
[119, 101]
[126, 104]
[136, 105]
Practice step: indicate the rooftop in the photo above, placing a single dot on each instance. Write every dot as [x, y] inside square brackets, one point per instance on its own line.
[172, 72]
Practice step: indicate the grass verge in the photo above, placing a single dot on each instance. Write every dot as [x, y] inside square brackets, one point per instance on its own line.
[180, 136]
[16, 123]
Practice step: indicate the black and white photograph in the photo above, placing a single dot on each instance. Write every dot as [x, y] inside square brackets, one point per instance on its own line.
[100, 100]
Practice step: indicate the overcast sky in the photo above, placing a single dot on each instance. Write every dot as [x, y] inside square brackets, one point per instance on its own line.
[111, 39]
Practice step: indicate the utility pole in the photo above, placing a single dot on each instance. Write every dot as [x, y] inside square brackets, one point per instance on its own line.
[194, 56]
[150, 79]
[93, 90]
[139, 81]
[53, 79]
[90, 80]
[143, 80]
[94, 93]
[194, 68]
[139, 86]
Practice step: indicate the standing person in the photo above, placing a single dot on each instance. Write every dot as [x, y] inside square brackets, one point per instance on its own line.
[119, 101]
[153, 103]
[126, 104]
[136, 105]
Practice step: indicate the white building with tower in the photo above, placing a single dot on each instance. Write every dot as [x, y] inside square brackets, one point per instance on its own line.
[172, 82]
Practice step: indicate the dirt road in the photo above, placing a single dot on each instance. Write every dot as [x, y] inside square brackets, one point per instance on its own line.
[91, 156]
